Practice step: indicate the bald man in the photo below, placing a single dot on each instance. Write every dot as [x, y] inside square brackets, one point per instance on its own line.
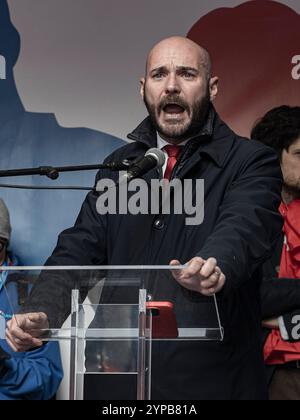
[223, 255]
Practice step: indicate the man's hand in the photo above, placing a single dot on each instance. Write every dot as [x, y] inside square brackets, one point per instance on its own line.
[200, 276]
[23, 331]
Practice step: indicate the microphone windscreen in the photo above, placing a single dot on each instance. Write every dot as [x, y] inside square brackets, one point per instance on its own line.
[158, 155]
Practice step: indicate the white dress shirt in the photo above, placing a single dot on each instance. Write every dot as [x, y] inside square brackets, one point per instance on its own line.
[161, 143]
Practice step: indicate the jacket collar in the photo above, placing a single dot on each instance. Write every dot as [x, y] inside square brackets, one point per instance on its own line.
[214, 139]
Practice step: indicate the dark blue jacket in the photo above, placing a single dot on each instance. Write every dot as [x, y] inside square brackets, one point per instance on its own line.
[242, 194]
[34, 375]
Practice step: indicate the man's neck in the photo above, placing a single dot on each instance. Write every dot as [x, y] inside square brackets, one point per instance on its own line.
[174, 142]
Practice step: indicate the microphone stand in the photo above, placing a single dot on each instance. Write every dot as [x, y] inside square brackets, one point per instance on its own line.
[53, 172]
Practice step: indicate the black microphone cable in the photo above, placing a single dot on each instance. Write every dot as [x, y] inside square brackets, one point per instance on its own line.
[33, 187]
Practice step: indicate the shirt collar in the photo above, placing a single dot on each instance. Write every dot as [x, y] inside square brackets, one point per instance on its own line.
[161, 143]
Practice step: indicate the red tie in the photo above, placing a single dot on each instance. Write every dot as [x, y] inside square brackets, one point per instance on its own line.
[173, 153]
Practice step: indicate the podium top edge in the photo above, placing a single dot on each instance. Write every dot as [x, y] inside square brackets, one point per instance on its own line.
[93, 268]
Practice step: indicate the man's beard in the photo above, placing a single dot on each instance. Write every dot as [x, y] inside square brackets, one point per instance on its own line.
[179, 132]
[292, 189]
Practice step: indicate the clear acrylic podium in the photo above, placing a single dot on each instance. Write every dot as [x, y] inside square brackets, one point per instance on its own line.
[115, 315]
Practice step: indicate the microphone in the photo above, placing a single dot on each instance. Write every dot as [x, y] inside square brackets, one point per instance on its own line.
[154, 158]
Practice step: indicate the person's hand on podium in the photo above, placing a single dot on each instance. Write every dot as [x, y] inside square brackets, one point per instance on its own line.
[200, 276]
[24, 331]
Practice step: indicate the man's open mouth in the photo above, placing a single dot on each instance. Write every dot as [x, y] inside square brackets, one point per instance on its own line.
[173, 109]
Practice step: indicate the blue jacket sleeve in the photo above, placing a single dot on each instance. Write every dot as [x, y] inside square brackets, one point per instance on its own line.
[33, 375]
